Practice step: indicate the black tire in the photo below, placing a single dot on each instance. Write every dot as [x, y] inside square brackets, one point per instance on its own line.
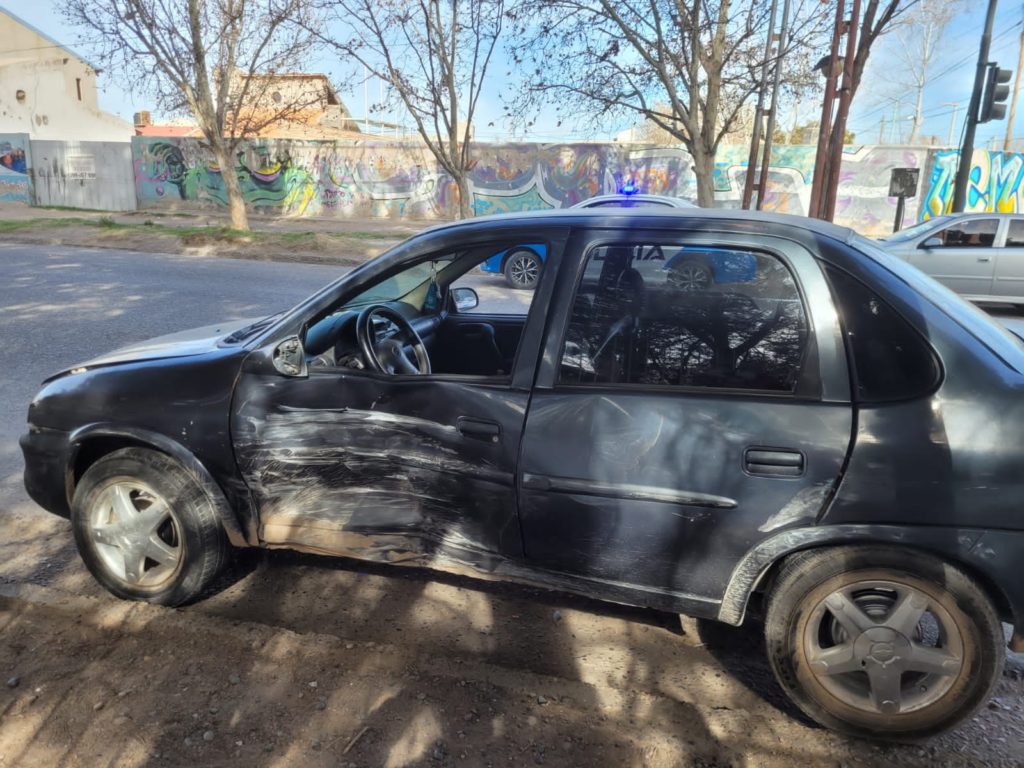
[522, 269]
[796, 623]
[690, 275]
[191, 528]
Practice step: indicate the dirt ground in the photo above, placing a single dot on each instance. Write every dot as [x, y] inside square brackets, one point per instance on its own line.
[299, 660]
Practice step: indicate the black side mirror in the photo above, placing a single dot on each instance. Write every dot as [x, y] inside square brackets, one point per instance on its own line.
[465, 299]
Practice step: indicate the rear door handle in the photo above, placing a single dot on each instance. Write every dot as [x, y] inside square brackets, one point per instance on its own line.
[773, 462]
[984, 258]
[479, 428]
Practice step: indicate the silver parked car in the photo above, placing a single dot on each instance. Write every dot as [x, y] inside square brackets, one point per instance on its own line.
[978, 255]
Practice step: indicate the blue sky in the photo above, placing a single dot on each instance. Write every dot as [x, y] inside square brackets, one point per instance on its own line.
[951, 79]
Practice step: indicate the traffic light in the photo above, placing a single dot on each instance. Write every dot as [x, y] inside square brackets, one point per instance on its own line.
[993, 101]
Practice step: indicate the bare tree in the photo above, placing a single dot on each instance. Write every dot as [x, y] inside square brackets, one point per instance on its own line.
[877, 18]
[916, 40]
[686, 66]
[435, 55]
[213, 58]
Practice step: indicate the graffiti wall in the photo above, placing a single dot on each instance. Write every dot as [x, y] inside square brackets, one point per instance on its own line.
[15, 184]
[994, 183]
[306, 178]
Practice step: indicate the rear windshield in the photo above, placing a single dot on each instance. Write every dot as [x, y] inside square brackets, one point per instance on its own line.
[1001, 342]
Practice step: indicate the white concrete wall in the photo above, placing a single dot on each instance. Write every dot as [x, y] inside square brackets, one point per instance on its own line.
[58, 89]
[84, 174]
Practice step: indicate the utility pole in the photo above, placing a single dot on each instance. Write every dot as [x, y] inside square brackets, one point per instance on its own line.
[881, 130]
[967, 148]
[818, 182]
[1016, 90]
[755, 137]
[783, 46]
[845, 97]
[952, 120]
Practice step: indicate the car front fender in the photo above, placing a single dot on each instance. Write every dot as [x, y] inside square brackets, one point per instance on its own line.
[133, 435]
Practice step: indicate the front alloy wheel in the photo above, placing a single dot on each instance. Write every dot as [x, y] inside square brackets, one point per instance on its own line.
[147, 528]
[136, 534]
[880, 642]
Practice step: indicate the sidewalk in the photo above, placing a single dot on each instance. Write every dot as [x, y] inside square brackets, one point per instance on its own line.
[314, 240]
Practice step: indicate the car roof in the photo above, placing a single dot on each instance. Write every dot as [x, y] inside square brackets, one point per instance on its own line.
[653, 217]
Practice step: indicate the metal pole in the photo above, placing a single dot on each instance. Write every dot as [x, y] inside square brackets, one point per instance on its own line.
[900, 208]
[952, 122]
[769, 135]
[967, 148]
[1016, 90]
[755, 137]
[839, 130]
[825, 126]
[881, 130]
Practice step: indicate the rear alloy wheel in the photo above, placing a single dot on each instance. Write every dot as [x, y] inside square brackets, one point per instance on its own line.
[146, 529]
[522, 269]
[881, 642]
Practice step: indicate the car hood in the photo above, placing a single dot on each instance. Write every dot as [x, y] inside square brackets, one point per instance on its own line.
[195, 341]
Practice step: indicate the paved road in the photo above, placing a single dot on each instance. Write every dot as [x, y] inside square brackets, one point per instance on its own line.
[638, 672]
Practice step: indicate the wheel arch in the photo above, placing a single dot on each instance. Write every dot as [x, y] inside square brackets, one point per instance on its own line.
[90, 443]
[759, 566]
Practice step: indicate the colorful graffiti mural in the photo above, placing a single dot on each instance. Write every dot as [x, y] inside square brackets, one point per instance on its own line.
[372, 178]
[994, 183]
[15, 183]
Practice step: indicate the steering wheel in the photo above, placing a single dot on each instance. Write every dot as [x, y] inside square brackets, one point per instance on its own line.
[388, 355]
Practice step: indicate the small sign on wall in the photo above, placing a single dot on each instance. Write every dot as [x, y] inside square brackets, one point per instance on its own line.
[79, 167]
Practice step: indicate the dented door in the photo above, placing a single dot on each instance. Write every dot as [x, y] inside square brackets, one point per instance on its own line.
[412, 468]
[672, 429]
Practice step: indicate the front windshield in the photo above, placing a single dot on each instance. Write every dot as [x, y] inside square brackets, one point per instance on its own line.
[980, 325]
[917, 229]
[400, 284]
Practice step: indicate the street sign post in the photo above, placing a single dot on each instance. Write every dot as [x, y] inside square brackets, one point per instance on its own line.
[902, 184]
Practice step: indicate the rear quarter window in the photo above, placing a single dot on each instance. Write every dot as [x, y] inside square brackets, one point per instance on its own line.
[891, 361]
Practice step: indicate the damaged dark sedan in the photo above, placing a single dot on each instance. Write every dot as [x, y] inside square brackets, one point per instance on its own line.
[820, 431]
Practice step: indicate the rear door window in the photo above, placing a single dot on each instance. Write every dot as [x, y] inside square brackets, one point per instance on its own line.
[1015, 234]
[663, 314]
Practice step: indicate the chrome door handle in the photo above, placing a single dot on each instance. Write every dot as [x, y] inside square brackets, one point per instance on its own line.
[984, 258]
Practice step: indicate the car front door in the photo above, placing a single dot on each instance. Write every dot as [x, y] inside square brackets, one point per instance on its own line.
[671, 429]
[961, 255]
[412, 468]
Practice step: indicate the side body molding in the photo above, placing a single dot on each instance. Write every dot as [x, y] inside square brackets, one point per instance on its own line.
[166, 445]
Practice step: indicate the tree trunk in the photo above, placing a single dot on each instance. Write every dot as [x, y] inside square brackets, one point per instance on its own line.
[236, 203]
[704, 171]
[465, 196]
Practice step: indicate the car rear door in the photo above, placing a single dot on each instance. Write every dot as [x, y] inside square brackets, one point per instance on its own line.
[965, 261]
[1009, 259]
[670, 430]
